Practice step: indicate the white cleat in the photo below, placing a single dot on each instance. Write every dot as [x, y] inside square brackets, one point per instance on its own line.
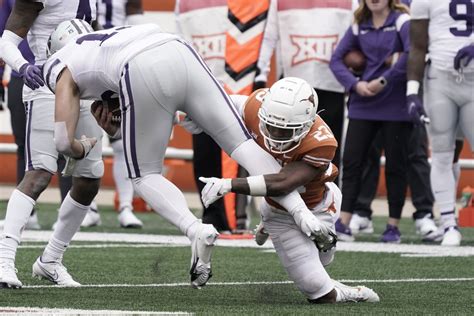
[8, 277]
[54, 272]
[261, 235]
[361, 225]
[354, 294]
[33, 223]
[127, 219]
[452, 237]
[92, 219]
[201, 248]
[427, 228]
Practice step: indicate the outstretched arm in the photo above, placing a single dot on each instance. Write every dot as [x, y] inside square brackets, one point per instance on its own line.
[291, 177]
[66, 116]
[22, 17]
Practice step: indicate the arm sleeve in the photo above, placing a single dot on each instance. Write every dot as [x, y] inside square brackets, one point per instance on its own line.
[420, 9]
[9, 51]
[341, 72]
[399, 70]
[269, 42]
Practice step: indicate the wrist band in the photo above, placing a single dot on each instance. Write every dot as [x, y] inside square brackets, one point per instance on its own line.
[257, 185]
[413, 87]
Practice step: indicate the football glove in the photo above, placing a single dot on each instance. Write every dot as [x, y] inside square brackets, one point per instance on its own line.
[214, 189]
[308, 223]
[32, 76]
[466, 52]
[416, 111]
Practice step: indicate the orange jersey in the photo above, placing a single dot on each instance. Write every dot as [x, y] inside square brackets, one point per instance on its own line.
[317, 148]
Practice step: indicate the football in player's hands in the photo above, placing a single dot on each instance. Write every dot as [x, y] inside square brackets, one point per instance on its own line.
[112, 105]
[355, 60]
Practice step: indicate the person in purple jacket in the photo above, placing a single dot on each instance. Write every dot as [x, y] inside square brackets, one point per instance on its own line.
[377, 102]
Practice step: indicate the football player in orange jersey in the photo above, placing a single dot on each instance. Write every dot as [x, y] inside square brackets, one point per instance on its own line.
[284, 121]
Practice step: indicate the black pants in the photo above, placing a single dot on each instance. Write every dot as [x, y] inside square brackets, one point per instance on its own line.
[331, 110]
[18, 123]
[207, 162]
[395, 137]
[418, 175]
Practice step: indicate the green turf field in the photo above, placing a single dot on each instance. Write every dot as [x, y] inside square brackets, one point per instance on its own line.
[247, 281]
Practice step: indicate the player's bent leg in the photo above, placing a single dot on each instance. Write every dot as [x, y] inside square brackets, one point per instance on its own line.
[168, 201]
[298, 254]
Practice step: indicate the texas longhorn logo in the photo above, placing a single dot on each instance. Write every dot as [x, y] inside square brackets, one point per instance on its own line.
[313, 47]
[310, 99]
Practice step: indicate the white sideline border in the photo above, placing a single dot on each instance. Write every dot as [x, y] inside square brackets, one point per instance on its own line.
[65, 311]
[161, 285]
[408, 250]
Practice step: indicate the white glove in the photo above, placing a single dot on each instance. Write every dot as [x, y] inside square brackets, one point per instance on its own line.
[308, 223]
[215, 189]
[190, 126]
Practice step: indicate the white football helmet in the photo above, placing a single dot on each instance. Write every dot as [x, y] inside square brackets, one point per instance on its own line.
[65, 32]
[287, 113]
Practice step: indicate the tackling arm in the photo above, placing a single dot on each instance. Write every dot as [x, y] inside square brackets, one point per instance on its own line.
[21, 19]
[291, 177]
[66, 115]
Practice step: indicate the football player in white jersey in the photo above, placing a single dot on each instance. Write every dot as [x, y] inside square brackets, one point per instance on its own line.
[444, 28]
[155, 75]
[111, 13]
[37, 19]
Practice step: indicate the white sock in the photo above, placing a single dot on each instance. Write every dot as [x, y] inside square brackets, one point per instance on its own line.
[19, 209]
[443, 186]
[123, 184]
[168, 201]
[71, 215]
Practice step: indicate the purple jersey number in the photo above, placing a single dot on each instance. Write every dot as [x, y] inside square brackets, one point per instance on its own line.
[84, 11]
[466, 15]
[99, 37]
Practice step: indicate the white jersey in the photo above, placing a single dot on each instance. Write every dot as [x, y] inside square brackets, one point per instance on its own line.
[96, 60]
[111, 13]
[450, 29]
[53, 13]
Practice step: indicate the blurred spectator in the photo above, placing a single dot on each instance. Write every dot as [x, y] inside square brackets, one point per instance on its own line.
[111, 13]
[376, 103]
[308, 32]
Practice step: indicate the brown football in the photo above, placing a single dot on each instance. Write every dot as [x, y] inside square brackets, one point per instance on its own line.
[113, 106]
[355, 60]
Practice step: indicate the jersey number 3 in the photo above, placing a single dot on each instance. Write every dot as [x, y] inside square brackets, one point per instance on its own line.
[462, 10]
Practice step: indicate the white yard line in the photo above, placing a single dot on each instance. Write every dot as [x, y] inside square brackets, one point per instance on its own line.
[158, 285]
[61, 311]
[377, 247]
